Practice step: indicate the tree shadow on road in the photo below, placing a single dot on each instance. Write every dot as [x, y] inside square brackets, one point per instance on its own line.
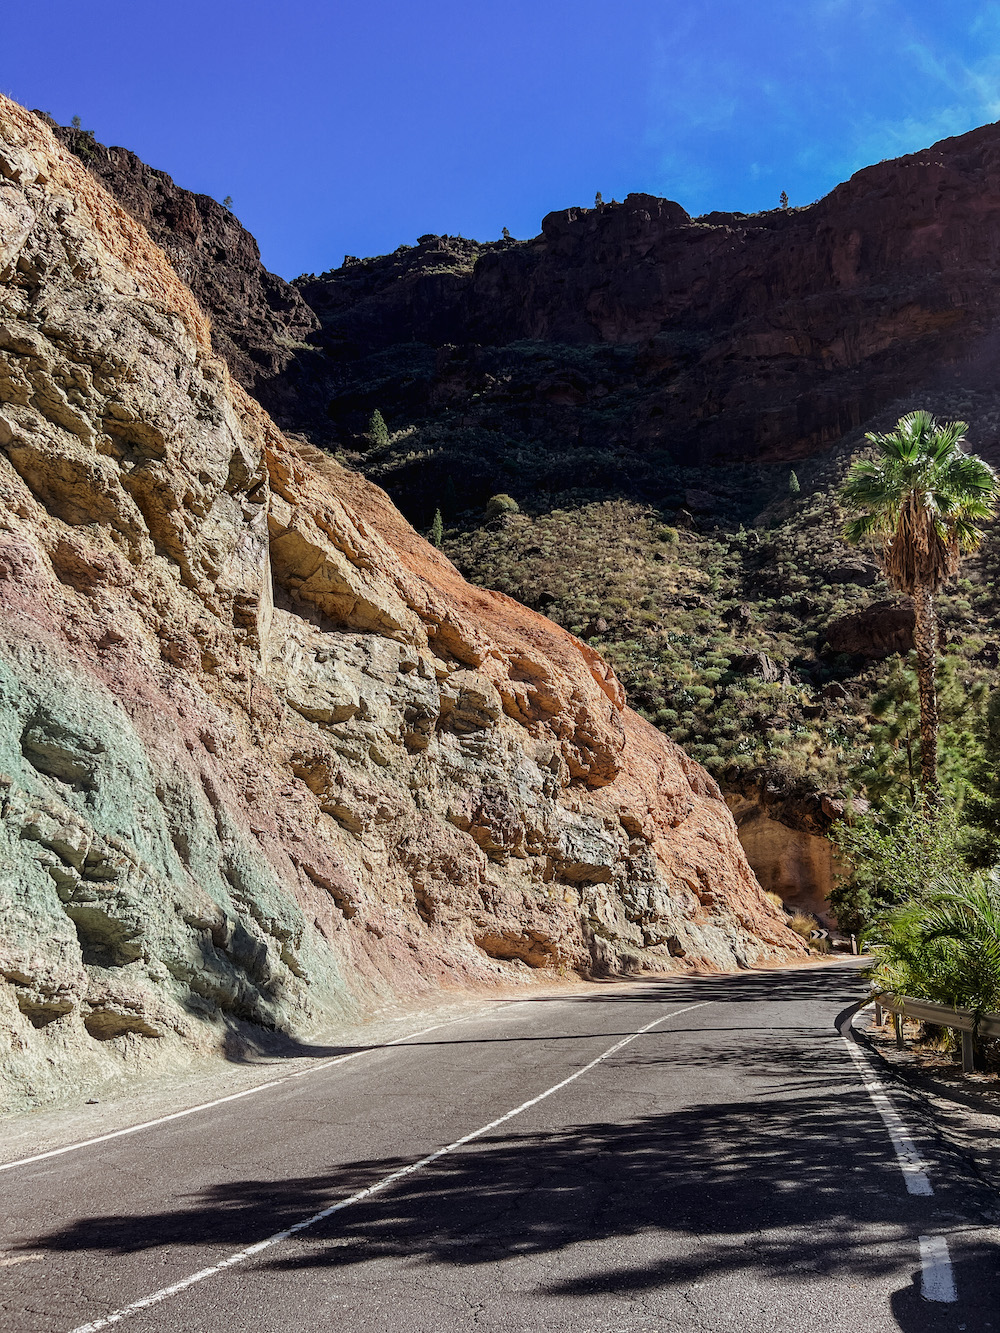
[791, 1186]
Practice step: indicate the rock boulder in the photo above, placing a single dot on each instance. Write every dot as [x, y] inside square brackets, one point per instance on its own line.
[876, 632]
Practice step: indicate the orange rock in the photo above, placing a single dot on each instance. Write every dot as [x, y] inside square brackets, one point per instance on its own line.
[266, 758]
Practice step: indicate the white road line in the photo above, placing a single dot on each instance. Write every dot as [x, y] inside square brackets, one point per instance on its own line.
[242, 1255]
[220, 1101]
[937, 1281]
[912, 1165]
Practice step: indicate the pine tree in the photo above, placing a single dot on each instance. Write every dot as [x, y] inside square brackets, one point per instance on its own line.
[890, 768]
[598, 200]
[378, 431]
[793, 484]
[783, 199]
[982, 804]
[437, 529]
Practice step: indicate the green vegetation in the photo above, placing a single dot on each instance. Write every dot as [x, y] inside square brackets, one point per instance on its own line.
[943, 944]
[82, 142]
[889, 768]
[378, 431]
[921, 500]
[891, 857]
[918, 875]
[685, 616]
[498, 505]
[982, 797]
[437, 529]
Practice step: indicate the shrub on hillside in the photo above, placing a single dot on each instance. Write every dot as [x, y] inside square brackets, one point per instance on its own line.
[893, 856]
[498, 505]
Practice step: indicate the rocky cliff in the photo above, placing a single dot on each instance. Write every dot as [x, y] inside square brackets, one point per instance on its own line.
[620, 338]
[265, 758]
[753, 337]
[259, 322]
[632, 366]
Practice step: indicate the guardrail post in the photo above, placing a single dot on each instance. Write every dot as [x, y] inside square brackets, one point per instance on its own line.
[878, 1014]
[854, 944]
[968, 1054]
[897, 1023]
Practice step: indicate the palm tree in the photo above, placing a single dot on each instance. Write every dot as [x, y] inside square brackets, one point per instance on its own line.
[921, 499]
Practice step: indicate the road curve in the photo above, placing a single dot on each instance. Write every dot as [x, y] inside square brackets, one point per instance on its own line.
[684, 1154]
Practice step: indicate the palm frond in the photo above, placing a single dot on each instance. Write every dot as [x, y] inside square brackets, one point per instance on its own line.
[923, 497]
[945, 947]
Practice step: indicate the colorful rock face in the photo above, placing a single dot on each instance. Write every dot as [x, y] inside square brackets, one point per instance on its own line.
[266, 758]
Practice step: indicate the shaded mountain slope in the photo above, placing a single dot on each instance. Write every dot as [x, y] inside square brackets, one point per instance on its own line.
[627, 338]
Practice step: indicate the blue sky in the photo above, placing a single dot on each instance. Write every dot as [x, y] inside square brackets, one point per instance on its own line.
[341, 127]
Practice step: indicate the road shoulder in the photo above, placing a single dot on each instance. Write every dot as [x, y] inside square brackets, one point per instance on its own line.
[963, 1109]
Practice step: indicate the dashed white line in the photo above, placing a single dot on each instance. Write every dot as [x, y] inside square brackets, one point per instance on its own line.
[116, 1316]
[912, 1165]
[937, 1281]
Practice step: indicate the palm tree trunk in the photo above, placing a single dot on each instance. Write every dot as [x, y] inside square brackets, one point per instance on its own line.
[925, 636]
[909, 766]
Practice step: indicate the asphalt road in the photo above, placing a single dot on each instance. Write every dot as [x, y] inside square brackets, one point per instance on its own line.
[726, 1170]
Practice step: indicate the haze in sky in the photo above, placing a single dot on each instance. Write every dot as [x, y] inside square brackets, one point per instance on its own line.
[351, 126]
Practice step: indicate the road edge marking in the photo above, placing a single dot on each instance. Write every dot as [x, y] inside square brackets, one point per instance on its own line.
[910, 1160]
[937, 1278]
[220, 1101]
[144, 1303]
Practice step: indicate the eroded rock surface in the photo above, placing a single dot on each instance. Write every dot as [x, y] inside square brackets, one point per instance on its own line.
[265, 757]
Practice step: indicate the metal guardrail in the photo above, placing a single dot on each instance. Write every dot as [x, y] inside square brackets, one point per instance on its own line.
[965, 1021]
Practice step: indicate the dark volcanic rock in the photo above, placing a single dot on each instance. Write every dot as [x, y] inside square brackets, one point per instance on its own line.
[852, 572]
[834, 692]
[760, 665]
[877, 631]
[766, 336]
[625, 332]
[259, 321]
